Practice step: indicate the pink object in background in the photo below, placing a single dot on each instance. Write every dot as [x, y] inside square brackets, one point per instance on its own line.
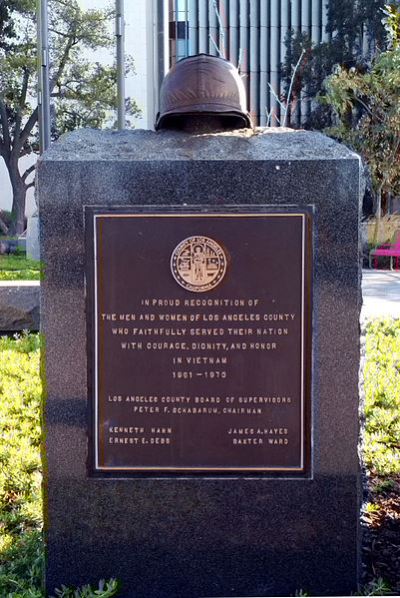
[387, 249]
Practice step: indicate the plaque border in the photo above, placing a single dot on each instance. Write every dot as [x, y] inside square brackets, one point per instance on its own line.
[92, 213]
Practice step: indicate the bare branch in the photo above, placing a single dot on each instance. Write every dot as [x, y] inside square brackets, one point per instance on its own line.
[60, 33]
[221, 29]
[27, 130]
[268, 115]
[70, 113]
[24, 90]
[215, 45]
[288, 100]
[281, 104]
[32, 184]
[63, 62]
[240, 59]
[69, 81]
[368, 109]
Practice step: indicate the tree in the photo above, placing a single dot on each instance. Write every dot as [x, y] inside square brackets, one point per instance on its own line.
[82, 93]
[356, 33]
[391, 22]
[6, 24]
[368, 110]
[367, 106]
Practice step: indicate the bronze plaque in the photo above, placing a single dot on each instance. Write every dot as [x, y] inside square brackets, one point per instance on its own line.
[199, 340]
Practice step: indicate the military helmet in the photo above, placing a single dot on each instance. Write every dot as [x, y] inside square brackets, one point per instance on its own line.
[203, 85]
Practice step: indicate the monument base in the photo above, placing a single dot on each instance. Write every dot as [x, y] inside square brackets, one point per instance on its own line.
[161, 529]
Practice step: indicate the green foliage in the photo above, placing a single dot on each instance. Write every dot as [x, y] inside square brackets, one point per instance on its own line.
[21, 547]
[83, 93]
[391, 22]
[88, 97]
[371, 507]
[21, 554]
[382, 388]
[106, 589]
[368, 110]
[355, 33]
[367, 106]
[346, 22]
[6, 24]
[18, 267]
[21, 542]
[378, 587]
[22, 565]
[384, 486]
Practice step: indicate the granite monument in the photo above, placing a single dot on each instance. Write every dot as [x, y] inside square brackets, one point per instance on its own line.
[201, 318]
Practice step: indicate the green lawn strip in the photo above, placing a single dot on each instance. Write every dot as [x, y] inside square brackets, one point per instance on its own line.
[18, 267]
[21, 540]
[19, 275]
[20, 467]
[382, 401]
[21, 543]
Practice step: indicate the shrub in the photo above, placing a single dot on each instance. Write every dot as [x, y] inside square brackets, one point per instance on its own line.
[21, 553]
[382, 389]
[21, 544]
[367, 105]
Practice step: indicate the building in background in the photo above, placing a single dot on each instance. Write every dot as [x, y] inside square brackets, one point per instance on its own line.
[145, 23]
[252, 35]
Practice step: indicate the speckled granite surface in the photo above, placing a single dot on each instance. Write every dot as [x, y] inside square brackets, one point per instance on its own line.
[246, 144]
[182, 537]
[19, 306]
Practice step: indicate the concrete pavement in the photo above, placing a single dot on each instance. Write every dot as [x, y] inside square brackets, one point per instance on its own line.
[381, 294]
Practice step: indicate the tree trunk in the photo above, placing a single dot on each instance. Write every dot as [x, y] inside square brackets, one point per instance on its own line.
[18, 210]
[3, 227]
[17, 225]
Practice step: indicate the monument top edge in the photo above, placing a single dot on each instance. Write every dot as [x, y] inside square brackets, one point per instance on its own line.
[260, 144]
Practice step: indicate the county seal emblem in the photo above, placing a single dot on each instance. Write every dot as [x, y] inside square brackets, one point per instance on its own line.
[198, 264]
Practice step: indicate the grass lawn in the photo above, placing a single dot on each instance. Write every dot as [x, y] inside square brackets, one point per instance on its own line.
[382, 388]
[21, 546]
[21, 554]
[18, 267]
[382, 453]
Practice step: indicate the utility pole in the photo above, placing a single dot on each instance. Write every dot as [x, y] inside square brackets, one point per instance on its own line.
[120, 35]
[43, 75]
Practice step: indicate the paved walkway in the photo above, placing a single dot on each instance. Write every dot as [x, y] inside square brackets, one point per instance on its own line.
[381, 294]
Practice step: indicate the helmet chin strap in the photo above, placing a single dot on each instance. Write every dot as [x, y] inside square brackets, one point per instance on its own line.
[203, 123]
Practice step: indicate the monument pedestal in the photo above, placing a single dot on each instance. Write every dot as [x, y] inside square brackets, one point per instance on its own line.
[32, 237]
[201, 316]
